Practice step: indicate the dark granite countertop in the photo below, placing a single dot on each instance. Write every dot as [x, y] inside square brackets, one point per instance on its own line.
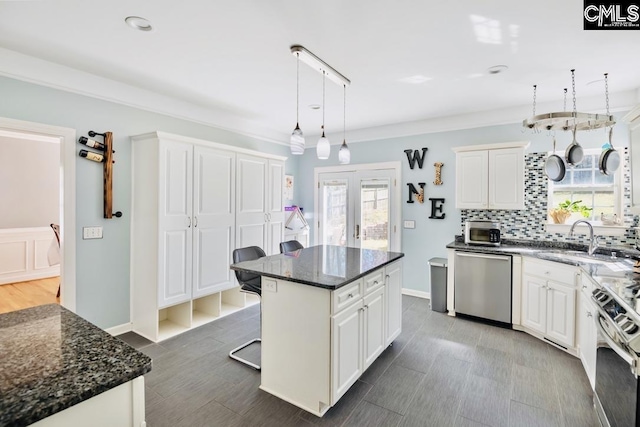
[52, 359]
[324, 266]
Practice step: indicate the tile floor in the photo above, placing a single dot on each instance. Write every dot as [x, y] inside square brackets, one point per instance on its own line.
[441, 371]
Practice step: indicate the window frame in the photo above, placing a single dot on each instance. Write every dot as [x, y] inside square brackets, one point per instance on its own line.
[618, 196]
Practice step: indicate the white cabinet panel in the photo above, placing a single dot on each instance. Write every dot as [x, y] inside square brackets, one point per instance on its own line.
[276, 187]
[374, 336]
[393, 300]
[534, 303]
[506, 179]
[177, 179]
[175, 280]
[561, 309]
[211, 266]
[252, 185]
[472, 179]
[346, 349]
[587, 337]
[252, 235]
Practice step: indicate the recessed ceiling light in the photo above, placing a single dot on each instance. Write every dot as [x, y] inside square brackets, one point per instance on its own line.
[138, 23]
[314, 106]
[497, 69]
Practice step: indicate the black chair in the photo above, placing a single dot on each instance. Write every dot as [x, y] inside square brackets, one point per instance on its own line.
[249, 283]
[290, 246]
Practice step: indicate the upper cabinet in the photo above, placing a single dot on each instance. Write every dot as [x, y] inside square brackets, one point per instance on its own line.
[490, 176]
[633, 119]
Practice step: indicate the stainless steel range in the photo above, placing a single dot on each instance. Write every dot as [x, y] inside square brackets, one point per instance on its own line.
[618, 355]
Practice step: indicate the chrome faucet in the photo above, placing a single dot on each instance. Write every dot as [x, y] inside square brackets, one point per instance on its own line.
[593, 240]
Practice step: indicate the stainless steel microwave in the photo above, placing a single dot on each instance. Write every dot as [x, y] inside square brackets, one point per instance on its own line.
[482, 233]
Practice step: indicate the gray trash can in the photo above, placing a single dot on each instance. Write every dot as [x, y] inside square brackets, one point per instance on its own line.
[438, 268]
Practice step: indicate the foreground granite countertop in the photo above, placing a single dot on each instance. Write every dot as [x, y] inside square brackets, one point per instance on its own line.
[51, 359]
[324, 266]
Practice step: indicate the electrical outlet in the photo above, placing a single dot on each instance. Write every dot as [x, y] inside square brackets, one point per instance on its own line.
[91, 233]
[270, 285]
[409, 224]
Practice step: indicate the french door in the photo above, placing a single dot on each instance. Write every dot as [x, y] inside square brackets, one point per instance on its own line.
[358, 209]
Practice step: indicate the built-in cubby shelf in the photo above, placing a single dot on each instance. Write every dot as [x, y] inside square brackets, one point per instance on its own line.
[181, 317]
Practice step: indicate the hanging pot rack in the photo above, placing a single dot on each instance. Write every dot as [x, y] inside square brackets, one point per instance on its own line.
[568, 120]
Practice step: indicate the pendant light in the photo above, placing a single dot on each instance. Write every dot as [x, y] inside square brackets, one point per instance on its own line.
[323, 149]
[297, 138]
[344, 155]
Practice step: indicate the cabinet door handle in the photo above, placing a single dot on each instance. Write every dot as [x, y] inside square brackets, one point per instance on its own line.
[188, 222]
[350, 295]
[589, 314]
[195, 221]
[269, 217]
[357, 231]
[584, 286]
[375, 282]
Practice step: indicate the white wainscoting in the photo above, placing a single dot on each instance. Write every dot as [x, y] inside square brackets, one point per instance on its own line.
[23, 254]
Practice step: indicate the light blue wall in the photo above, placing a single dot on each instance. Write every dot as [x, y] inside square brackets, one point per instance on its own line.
[103, 265]
[430, 236]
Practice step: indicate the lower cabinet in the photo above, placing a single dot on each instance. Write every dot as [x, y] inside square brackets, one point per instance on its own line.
[587, 332]
[549, 305]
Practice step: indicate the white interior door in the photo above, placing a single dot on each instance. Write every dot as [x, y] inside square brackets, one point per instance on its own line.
[358, 209]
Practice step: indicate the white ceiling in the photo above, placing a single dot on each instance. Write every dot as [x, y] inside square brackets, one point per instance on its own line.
[228, 62]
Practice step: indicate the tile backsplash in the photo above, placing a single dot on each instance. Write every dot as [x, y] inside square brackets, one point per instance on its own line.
[530, 223]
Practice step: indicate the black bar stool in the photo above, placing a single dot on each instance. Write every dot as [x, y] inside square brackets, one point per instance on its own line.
[290, 246]
[251, 284]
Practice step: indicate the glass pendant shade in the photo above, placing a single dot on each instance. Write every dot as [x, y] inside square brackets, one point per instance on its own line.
[323, 149]
[297, 141]
[344, 155]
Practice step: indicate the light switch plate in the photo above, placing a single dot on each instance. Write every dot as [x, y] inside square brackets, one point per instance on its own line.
[409, 224]
[91, 233]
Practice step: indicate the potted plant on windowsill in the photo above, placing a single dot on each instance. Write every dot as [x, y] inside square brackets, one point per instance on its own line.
[564, 210]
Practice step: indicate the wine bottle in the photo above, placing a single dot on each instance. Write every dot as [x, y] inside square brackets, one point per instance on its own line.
[92, 156]
[91, 143]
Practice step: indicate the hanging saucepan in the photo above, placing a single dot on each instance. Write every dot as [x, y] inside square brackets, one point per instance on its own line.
[610, 158]
[554, 166]
[574, 153]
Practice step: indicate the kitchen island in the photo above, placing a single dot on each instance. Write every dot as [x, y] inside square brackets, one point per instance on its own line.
[327, 313]
[57, 369]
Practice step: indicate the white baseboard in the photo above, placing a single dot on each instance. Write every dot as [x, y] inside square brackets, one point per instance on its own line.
[414, 293]
[120, 329]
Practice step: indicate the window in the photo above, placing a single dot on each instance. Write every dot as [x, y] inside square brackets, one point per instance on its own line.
[585, 182]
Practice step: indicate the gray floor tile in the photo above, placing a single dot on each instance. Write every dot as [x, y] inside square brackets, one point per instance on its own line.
[380, 366]
[211, 414]
[272, 411]
[395, 388]
[338, 414]
[534, 388]
[493, 364]
[243, 396]
[419, 354]
[369, 415]
[134, 340]
[466, 422]
[437, 398]
[532, 354]
[498, 339]
[485, 401]
[521, 415]
[153, 350]
[151, 399]
[438, 324]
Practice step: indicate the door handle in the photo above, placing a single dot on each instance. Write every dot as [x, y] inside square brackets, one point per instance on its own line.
[357, 231]
[188, 222]
[195, 221]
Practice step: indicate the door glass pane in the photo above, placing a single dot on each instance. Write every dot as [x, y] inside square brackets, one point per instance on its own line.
[334, 215]
[374, 208]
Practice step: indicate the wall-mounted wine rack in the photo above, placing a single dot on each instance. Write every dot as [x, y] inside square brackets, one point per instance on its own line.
[107, 160]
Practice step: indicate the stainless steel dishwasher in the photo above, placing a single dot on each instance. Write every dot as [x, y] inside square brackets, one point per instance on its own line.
[482, 285]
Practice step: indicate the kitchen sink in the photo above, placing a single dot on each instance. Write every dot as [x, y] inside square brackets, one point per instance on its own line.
[583, 257]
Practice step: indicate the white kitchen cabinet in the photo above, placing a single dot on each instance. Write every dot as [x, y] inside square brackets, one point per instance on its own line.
[549, 300]
[183, 227]
[347, 343]
[587, 332]
[393, 301]
[260, 209]
[490, 176]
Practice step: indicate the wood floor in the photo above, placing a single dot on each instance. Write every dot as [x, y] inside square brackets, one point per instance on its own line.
[16, 296]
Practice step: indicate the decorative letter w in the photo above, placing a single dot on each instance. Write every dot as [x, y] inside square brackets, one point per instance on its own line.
[416, 157]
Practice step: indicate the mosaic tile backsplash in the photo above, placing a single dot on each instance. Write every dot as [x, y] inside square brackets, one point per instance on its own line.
[530, 222]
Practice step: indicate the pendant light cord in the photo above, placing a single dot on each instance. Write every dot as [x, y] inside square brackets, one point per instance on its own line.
[344, 115]
[323, 91]
[298, 90]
